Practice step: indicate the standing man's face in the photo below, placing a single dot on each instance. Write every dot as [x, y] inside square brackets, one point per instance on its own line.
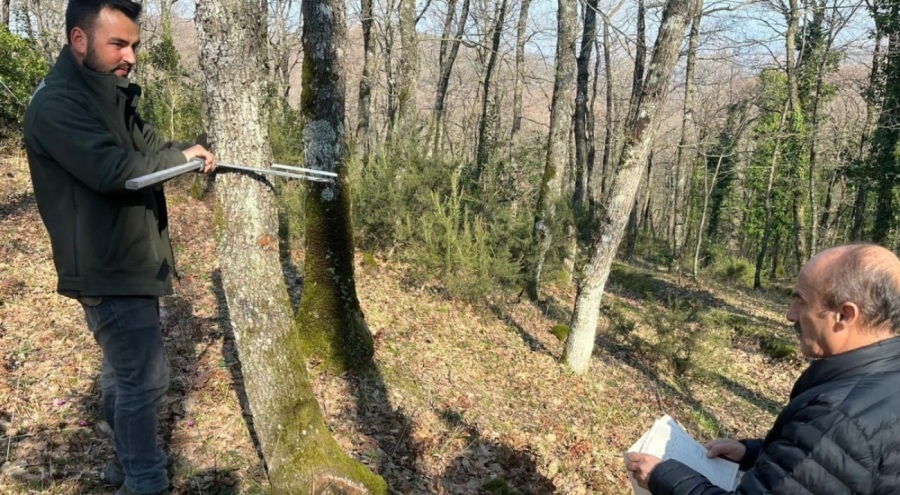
[110, 46]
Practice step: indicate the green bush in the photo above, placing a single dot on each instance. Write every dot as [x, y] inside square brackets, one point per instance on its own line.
[21, 70]
[414, 206]
[734, 270]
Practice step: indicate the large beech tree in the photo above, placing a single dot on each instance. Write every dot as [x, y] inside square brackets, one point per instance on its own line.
[299, 451]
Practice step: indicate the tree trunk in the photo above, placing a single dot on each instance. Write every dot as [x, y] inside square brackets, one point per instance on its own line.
[519, 86]
[608, 142]
[557, 144]
[449, 50]
[767, 229]
[886, 138]
[708, 186]
[686, 151]
[299, 451]
[482, 152]
[641, 129]
[365, 135]
[582, 165]
[640, 56]
[409, 68]
[5, 19]
[390, 82]
[801, 251]
[858, 216]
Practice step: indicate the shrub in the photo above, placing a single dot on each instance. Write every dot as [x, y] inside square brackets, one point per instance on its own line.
[21, 69]
[734, 270]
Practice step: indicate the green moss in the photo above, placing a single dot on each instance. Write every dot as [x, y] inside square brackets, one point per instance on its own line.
[777, 347]
[369, 261]
[561, 332]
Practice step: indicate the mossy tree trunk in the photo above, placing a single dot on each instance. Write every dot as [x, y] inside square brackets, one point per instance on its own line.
[300, 453]
[557, 143]
[640, 130]
[330, 317]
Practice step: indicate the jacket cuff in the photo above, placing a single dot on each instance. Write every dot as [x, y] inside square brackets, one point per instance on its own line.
[754, 448]
[666, 475]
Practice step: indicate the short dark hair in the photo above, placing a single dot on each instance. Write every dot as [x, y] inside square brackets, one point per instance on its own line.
[857, 276]
[83, 13]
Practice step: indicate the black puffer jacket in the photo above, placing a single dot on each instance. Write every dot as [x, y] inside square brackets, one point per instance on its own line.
[840, 434]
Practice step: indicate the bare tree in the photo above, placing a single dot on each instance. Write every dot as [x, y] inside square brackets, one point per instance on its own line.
[519, 85]
[365, 136]
[5, 19]
[481, 154]
[300, 453]
[583, 166]
[446, 59]
[641, 129]
[557, 143]
[686, 152]
[409, 66]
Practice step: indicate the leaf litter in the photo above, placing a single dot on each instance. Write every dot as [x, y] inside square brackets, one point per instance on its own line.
[466, 398]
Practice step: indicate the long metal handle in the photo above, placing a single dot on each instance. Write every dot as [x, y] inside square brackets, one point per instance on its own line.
[286, 171]
[157, 177]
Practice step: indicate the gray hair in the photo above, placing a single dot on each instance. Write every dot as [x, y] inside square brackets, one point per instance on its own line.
[862, 277]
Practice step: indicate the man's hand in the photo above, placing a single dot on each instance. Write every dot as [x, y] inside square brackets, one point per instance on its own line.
[641, 465]
[727, 448]
[197, 151]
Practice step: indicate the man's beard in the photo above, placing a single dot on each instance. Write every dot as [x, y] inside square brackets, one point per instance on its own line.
[92, 61]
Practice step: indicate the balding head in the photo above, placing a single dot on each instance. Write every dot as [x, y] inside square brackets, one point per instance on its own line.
[864, 274]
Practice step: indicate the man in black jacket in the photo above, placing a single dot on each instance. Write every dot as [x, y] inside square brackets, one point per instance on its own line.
[85, 139]
[840, 433]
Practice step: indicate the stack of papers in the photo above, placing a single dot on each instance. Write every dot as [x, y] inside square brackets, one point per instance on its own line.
[668, 440]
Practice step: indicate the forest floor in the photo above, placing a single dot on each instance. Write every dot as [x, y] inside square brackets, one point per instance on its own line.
[467, 399]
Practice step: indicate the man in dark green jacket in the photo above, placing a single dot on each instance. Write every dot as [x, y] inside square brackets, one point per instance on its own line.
[85, 139]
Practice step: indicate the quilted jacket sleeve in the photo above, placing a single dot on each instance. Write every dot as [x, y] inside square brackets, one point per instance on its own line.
[818, 451]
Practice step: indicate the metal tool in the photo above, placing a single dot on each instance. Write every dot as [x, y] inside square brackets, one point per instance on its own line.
[278, 170]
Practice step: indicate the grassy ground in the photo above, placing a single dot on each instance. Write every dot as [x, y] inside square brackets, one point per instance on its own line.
[467, 399]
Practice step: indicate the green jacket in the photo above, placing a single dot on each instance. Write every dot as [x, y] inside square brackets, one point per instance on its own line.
[84, 139]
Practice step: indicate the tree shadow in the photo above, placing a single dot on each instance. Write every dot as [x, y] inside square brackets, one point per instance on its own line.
[486, 466]
[530, 340]
[756, 398]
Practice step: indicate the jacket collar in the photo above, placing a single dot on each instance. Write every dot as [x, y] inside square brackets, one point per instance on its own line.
[875, 358]
[105, 86]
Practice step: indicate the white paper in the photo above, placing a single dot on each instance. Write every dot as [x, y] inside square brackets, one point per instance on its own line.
[668, 440]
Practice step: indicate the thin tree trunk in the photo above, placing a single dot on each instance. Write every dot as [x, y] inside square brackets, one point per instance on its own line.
[482, 153]
[686, 151]
[767, 230]
[582, 174]
[858, 223]
[519, 86]
[640, 57]
[364, 129]
[300, 453]
[448, 53]
[801, 251]
[608, 142]
[391, 83]
[557, 144]
[5, 19]
[409, 67]
[708, 186]
[641, 129]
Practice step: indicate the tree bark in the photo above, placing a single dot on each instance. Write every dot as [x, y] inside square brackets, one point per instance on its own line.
[608, 139]
[299, 451]
[482, 152]
[641, 129]
[686, 151]
[365, 135]
[409, 67]
[583, 166]
[767, 229]
[801, 251]
[5, 19]
[519, 85]
[886, 138]
[447, 58]
[557, 144]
